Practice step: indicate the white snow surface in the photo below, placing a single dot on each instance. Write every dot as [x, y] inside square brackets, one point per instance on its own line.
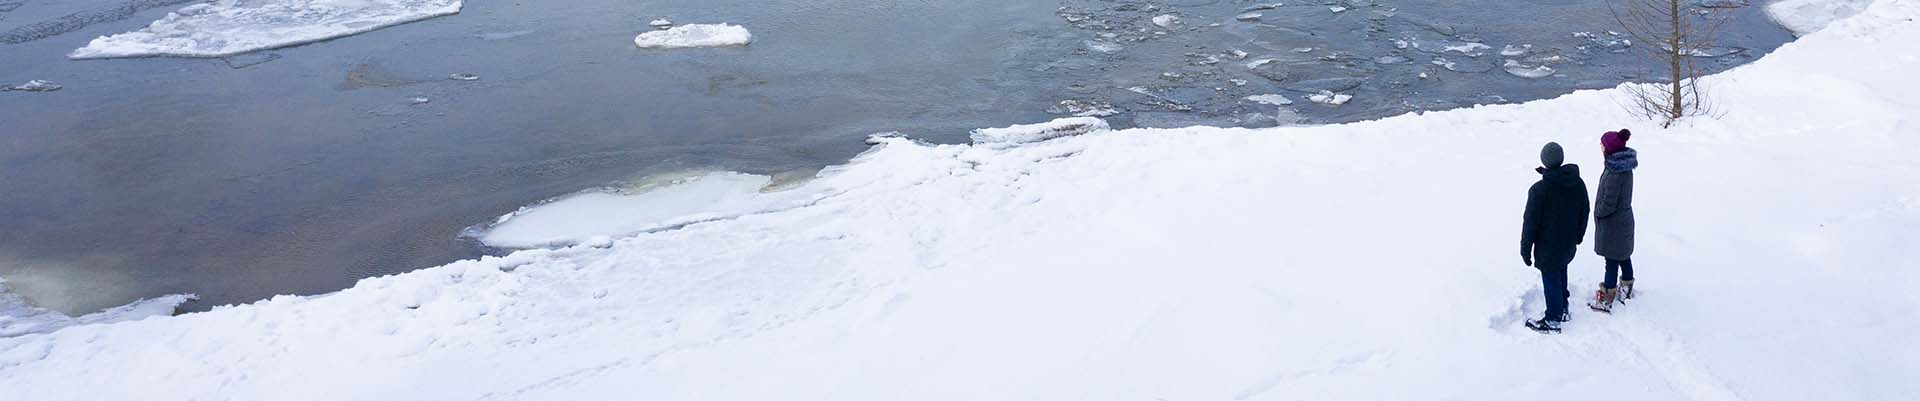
[1366, 261]
[695, 35]
[1808, 16]
[227, 27]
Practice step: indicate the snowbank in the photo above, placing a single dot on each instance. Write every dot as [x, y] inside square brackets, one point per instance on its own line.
[1807, 16]
[695, 35]
[1017, 134]
[1373, 260]
[228, 27]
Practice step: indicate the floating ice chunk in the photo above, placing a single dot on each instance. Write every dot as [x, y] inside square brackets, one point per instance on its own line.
[34, 86]
[670, 202]
[1083, 108]
[419, 100]
[1526, 71]
[1391, 60]
[1515, 51]
[1248, 17]
[1166, 20]
[1276, 100]
[1808, 16]
[1330, 98]
[463, 77]
[1336, 9]
[662, 23]
[1057, 128]
[695, 35]
[1302, 50]
[228, 27]
[1104, 47]
[1471, 49]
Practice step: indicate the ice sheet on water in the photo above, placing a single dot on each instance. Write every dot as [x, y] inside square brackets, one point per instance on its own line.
[662, 203]
[1807, 16]
[695, 35]
[228, 27]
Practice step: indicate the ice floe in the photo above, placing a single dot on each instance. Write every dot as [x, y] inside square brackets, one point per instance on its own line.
[228, 27]
[1270, 99]
[695, 35]
[37, 85]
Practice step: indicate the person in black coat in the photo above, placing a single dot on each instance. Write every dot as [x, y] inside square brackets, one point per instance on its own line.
[1613, 218]
[1555, 225]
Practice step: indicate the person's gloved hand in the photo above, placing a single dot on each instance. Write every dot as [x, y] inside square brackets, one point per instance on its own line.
[1526, 258]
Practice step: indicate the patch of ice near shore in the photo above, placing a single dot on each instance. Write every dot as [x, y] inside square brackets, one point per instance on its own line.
[1057, 128]
[695, 35]
[17, 317]
[228, 27]
[579, 218]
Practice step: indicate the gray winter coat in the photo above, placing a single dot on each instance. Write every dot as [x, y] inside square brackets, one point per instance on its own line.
[1613, 207]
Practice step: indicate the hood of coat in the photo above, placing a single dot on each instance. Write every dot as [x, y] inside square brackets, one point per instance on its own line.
[1567, 175]
[1623, 160]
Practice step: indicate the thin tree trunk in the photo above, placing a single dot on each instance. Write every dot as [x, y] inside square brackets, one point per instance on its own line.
[1673, 58]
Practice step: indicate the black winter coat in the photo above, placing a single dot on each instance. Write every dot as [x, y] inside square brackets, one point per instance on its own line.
[1613, 207]
[1556, 217]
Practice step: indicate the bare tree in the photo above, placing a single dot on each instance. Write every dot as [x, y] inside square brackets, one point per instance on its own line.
[1676, 35]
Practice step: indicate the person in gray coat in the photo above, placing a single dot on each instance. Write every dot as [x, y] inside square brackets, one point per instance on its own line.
[1613, 219]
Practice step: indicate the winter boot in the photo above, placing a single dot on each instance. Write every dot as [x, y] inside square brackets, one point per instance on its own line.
[1544, 325]
[1626, 290]
[1603, 300]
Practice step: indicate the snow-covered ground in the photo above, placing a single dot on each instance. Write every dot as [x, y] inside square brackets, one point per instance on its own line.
[228, 27]
[695, 35]
[1373, 260]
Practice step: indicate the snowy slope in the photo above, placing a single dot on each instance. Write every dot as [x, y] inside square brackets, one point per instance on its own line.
[1374, 260]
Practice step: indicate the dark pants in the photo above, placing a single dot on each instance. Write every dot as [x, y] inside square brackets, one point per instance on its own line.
[1554, 281]
[1618, 270]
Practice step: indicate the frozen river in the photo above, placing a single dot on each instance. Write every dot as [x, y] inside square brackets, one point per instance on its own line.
[303, 169]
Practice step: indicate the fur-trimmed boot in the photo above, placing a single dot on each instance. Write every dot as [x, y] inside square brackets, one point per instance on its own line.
[1603, 300]
[1626, 290]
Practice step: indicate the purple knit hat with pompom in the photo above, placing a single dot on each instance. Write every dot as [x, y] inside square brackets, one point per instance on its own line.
[1615, 141]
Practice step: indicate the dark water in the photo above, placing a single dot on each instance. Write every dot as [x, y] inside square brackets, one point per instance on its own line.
[304, 169]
